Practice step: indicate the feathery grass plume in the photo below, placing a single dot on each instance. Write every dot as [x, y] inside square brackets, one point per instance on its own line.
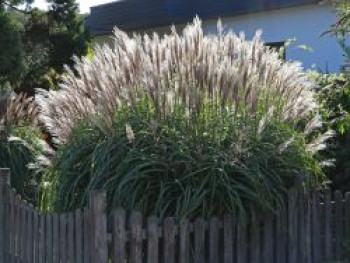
[181, 124]
[189, 70]
[21, 145]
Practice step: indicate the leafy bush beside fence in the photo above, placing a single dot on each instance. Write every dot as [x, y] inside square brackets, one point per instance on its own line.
[21, 144]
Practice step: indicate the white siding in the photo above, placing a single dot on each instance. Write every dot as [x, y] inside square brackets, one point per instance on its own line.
[305, 24]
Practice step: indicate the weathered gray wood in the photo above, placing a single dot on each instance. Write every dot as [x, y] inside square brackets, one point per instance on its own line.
[24, 227]
[30, 239]
[214, 240]
[199, 237]
[70, 237]
[36, 236]
[152, 240]
[255, 250]
[292, 226]
[338, 198]
[228, 238]
[301, 226]
[169, 240]
[328, 225]
[63, 238]
[78, 237]
[98, 226]
[242, 242]
[347, 216]
[49, 239]
[13, 226]
[136, 237]
[56, 237]
[4, 183]
[316, 237]
[42, 237]
[87, 234]
[268, 239]
[184, 242]
[308, 221]
[281, 234]
[119, 236]
[17, 227]
[8, 225]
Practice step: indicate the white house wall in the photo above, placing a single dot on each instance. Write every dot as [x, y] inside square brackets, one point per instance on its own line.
[305, 24]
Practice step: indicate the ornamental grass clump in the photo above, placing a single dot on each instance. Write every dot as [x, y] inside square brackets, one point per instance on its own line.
[21, 147]
[181, 125]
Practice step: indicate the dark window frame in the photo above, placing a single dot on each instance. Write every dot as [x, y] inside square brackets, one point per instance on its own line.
[277, 46]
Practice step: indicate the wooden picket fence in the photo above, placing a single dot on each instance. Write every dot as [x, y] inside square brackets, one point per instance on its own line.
[310, 228]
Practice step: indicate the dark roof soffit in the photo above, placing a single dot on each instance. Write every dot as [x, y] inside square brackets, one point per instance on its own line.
[132, 15]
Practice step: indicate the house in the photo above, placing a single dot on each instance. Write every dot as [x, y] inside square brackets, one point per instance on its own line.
[281, 20]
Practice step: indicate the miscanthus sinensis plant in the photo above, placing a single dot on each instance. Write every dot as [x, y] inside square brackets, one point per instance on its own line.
[21, 145]
[182, 125]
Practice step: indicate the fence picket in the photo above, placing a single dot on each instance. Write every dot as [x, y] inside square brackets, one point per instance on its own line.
[316, 248]
[347, 224]
[36, 236]
[17, 228]
[328, 225]
[228, 239]
[98, 226]
[281, 233]
[63, 238]
[30, 237]
[255, 240]
[347, 216]
[152, 240]
[56, 237]
[4, 178]
[169, 240]
[42, 237]
[214, 240]
[24, 227]
[338, 197]
[70, 237]
[301, 226]
[308, 229]
[49, 239]
[119, 236]
[87, 236]
[199, 236]
[268, 239]
[184, 242]
[241, 242]
[8, 225]
[136, 237]
[292, 226]
[78, 223]
[12, 232]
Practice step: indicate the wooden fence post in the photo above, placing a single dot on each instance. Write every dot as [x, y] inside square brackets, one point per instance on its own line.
[4, 180]
[98, 227]
[292, 226]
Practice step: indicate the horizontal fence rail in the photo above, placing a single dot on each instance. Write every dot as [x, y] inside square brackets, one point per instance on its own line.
[310, 228]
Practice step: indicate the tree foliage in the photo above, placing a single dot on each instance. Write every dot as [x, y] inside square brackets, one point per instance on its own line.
[38, 44]
[11, 49]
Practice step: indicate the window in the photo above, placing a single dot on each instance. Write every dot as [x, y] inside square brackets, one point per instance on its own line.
[279, 47]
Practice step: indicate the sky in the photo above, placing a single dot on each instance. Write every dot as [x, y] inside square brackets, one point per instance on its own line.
[84, 4]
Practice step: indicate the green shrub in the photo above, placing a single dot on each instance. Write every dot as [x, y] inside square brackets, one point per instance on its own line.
[21, 145]
[334, 97]
[182, 125]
